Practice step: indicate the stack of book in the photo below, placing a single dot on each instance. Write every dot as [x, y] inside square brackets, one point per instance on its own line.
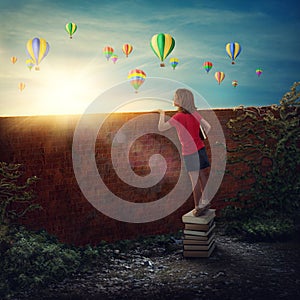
[199, 239]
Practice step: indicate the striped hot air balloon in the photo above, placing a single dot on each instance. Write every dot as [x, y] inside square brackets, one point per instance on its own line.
[174, 62]
[29, 63]
[162, 45]
[219, 76]
[233, 50]
[108, 52]
[127, 49]
[207, 65]
[71, 28]
[258, 72]
[114, 58]
[136, 78]
[234, 83]
[37, 50]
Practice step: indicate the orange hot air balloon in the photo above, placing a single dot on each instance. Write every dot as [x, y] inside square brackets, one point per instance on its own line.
[234, 83]
[13, 59]
[127, 49]
[21, 86]
[219, 76]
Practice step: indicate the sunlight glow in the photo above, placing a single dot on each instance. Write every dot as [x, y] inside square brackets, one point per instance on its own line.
[63, 92]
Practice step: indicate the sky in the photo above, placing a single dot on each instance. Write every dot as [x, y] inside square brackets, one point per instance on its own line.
[75, 72]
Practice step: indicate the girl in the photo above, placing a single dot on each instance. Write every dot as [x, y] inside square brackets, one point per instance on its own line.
[188, 120]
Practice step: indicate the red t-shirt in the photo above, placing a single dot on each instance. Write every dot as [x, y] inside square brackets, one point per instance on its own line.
[191, 142]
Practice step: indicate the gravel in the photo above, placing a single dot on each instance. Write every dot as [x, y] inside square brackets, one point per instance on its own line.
[235, 270]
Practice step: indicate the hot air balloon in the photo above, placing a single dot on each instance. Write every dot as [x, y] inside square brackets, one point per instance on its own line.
[13, 59]
[108, 52]
[21, 86]
[127, 49]
[71, 28]
[114, 58]
[136, 78]
[233, 50]
[162, 45]
[174, 62]
[258, 72]
[29, 63]
[37, 50]
[219, 76]
[234, 83]
[207, 65]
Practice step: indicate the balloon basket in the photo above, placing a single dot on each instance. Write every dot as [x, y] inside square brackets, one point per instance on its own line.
[162, 64]
[233, 63]
[37, 68]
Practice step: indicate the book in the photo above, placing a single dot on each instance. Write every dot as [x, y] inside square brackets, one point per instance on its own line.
[200, 227]
[202, 133]
[199, 253]
[198, 247]
[199, 233]
[198, 237]
[199, 242]
[203, 219]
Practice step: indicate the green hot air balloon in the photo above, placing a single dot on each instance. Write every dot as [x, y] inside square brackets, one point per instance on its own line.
[162, 45]
[71, 28]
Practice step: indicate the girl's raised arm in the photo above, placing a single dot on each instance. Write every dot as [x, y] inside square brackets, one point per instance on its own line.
[162, 125]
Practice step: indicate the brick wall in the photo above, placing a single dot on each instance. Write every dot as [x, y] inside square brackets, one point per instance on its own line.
[43, 144]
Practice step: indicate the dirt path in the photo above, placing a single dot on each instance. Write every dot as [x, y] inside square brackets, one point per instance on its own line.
[236, 270]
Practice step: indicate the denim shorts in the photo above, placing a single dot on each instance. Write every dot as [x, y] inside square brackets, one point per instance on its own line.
[196, 161]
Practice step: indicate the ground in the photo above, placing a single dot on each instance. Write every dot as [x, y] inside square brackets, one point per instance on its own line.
[235, 270]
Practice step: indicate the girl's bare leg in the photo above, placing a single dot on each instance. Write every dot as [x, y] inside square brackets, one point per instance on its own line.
[199, 180]
[196, 186]
[203, 181]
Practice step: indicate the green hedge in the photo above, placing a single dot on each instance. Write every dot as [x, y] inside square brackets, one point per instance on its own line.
[31, 260]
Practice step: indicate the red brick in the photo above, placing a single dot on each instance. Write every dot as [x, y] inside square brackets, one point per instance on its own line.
[43, 144]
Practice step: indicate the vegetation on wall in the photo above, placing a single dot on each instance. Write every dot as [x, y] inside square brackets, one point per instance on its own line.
[16, 196]
[267, 143]
[16, 199]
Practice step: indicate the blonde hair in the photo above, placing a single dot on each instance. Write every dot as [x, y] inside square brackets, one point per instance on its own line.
[184, 99]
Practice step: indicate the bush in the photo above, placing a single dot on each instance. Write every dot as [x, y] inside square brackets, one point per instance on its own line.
[267, 146]
[267, 228]
[32, 260]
